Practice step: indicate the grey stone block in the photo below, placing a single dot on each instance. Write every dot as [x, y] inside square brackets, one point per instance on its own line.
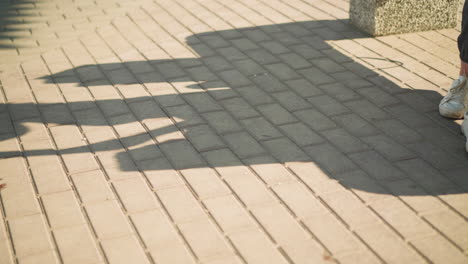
[385, 17]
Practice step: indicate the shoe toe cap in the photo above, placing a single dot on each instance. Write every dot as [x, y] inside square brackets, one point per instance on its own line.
[451, 110]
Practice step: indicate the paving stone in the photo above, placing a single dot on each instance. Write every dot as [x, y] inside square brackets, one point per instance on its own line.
[44, 257]
[378, 96]
[156, 230]
[19, 199]
[282, 71]
[104, 212]
[239, 108]
[439, 250]
[218, 63]
[133, 92]
[57, 114]
[276, 114]
[285, 150]
[7, 125]
[249, 67]
[425, 175]
[181, 204]
[5, 246]
[330, 158]
[291, 101]
[437, 157]
[68, 239]
[9, 146]
[202, 102]
[366, 188]
[299, 199]
[409, 116]
[160, 173]
[203, 138]
[316, 120]
[450, 224]
[269, 170]
[229, 214]
[63, 209]
[35, 129]
[250, 190]
[254, 246]
[234, 78]
[222, 122]
[231, 53]
[284, 229]
[182, 154]
[219, 90]
[405, 221]
[205, 182]
[316, 76]
[387, 244]
[377, 166]
[173, 254]
[326, 227]
[367, 110]
[398, 131]
[327, 65]
[244, 44]
[255, 95]
[126, 125]
[344, 141]
[294, 61]
[306, 51]
[339, 91]
[133, 253]
[350, 209]
[274, 47]
[141, 147]
[356, 125]
[135, 195]
[92, 187]
[201, 73]
[261, 56]
[416, 197]
[389, 148]
[30, 235]
[328, 105]
[235, 259]
[204, 239]
[268, 82]
[260, 128]
[301, 134]
[184, 116]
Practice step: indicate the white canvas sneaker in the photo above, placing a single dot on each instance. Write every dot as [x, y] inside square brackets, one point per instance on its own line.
[464, 129]
[455, 103]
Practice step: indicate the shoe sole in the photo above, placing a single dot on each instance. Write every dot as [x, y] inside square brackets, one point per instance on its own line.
[451, 114]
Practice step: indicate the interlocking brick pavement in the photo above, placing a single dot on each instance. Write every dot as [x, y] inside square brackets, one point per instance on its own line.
[209, 131]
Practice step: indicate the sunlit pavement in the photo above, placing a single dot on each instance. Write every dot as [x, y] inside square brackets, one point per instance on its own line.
[234, 131]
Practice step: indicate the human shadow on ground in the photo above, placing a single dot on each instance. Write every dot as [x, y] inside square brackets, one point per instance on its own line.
[268, 94]
[14, 15]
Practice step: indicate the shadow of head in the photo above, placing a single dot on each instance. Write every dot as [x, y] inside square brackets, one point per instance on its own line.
[275, 94]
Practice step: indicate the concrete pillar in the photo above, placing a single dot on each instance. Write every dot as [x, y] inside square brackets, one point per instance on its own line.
[385, 17]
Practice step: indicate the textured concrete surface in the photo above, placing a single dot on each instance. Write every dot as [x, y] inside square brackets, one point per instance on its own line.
[386, 17]
[161, 131]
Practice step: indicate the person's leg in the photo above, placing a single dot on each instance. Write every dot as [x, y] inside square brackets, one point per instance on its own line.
[463, 68]
[455, 103]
